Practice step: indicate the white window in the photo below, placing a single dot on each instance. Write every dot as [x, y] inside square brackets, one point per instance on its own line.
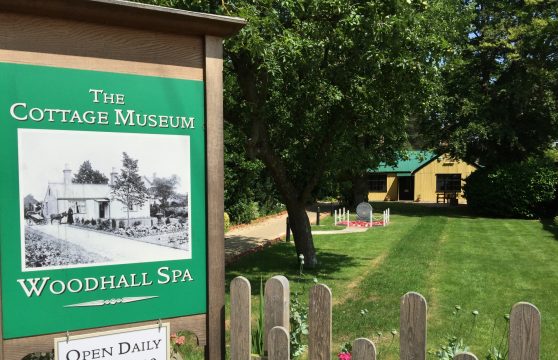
[78, 207]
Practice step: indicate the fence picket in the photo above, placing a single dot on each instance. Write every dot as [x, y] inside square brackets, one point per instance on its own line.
[465, 356]
[279, 345]
[412, 325]
[363, 349]
[319, 323]
[241, 342]
[525, 332]
[276, 305]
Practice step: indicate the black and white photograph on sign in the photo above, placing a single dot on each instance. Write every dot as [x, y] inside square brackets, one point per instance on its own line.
[100, 198]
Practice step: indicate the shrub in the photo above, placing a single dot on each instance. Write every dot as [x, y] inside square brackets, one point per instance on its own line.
[298, 319]
[524, 190]
[113, 223]
[243, 211]
[40, 356]
[93, 222]
[121, 224]
[227, 221]
[181, 212]
[167, 221]
[137, 223]
[103, 225]
[86, 222]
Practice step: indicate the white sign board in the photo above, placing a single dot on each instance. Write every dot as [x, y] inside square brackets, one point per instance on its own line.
[140, 343]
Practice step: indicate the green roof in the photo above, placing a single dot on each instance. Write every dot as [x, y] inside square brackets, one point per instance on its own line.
[409, 163]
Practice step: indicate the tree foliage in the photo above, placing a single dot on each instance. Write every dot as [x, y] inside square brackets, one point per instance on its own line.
[128, 187]
[29, 202]
[325, 88]
[87, 175]
[322, 88]
[164, 188]
[249, 191]
[501, 95]
[519, 189]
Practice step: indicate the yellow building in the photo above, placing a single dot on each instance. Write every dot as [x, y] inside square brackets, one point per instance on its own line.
[420, 176]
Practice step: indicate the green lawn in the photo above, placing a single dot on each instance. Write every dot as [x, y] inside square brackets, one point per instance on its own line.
[448, 256]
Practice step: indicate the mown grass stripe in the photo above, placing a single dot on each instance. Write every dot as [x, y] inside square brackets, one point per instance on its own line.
[406, 268]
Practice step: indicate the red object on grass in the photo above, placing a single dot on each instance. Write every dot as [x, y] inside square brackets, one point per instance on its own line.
[360, 223]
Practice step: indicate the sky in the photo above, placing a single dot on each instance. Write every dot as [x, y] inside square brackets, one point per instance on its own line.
[43, 155]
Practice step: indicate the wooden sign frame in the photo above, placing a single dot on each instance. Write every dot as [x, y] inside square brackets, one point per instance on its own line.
[125, 37]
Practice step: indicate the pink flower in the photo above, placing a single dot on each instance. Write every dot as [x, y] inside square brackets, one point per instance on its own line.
[182, 339]
[344, 356]
[173, 337]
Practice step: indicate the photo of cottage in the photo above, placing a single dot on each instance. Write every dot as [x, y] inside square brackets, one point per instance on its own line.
[87, 199]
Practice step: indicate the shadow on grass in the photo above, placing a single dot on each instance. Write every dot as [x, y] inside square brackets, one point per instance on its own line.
[280, 259]
[423, 209]
[551, 226]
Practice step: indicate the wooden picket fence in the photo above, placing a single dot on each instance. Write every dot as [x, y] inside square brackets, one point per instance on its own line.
[524, 331]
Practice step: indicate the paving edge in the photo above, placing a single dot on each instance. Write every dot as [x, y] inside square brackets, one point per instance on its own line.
[260, 247]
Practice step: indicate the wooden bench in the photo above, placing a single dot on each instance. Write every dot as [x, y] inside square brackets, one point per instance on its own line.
[446, 197]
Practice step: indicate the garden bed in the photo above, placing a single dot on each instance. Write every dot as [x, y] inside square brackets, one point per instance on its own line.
[170, 235]
[42, 250]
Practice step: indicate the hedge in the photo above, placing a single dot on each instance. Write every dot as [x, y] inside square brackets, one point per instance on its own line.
[522, 190]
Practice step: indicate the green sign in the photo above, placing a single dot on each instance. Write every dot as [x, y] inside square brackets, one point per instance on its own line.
[102, 199]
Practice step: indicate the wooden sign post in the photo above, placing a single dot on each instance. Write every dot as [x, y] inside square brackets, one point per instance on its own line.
[111, 174]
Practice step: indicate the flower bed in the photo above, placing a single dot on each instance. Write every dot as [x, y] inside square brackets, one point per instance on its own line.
[360, 223]
[176, 240]
[43, 250]
[174, 235]
[141, 230]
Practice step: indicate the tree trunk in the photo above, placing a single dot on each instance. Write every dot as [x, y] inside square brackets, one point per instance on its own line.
[359, 189]
[302, 233]
[128, 213]
[258, 146]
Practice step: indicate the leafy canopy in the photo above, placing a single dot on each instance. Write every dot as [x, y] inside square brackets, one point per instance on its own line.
[328, 85]
[501, 95]
[164, 188]
[318, 88]
[128, 186]
[87, 175]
